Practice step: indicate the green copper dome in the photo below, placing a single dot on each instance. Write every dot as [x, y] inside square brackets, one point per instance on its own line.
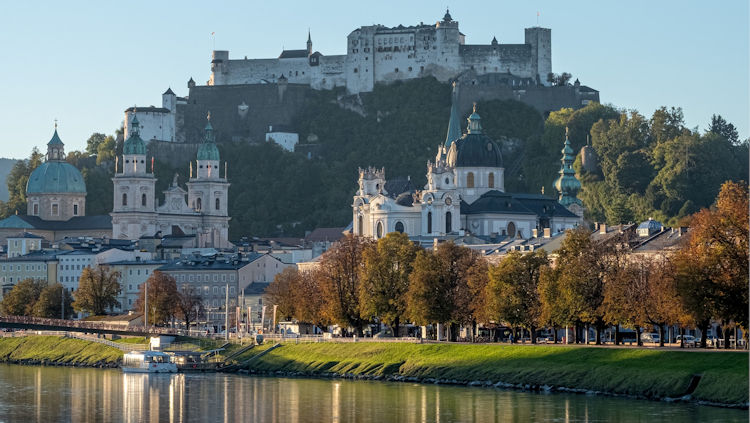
[134, 143]
[55, 176]
[567, 184]
[207, 149]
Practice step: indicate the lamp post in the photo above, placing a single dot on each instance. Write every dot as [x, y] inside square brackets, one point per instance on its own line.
[145, 304]
[226, 312]
[62, 302]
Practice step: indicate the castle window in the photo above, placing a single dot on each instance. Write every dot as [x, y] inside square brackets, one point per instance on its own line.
[380, 230]
[360, 230]
[448, 223]
[399, 227]
[75, 209]
[55, 209]
[218, 204]
[356, 70]
[124, 199]
[143, 200]
[470, 180]
[36, 209]
[409, 68]
[395, 70]
[429, 222]
[491, 181]
[421, 68]
[198, 204]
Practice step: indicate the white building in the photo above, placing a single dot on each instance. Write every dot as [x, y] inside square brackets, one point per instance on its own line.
[464, 195]
[136, 213]
[133, 273]
[154, 123]
[287, 140]
[379, 54]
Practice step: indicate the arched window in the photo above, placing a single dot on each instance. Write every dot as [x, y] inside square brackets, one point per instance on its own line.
[124, 199]
[470, 180]
[198, 204]
[143, 200]
[380, 230]
[448, 222]
[511, 229]
[360, 229]
[399, 227]
[491, 180]
[218, 204]
[429, 222]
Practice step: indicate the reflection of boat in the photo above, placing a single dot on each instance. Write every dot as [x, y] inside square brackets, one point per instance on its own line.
[147, 362]
[191, 361]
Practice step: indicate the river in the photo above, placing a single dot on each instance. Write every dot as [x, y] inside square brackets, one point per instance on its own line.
[59, 394]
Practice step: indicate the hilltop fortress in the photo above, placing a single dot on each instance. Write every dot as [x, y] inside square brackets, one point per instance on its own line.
[379, 54]
[256, 100]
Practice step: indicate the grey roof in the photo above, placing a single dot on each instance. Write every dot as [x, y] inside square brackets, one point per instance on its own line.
[75, 223]
[136, 262]
[256, 288]
[397, 186]
[26, 235]
[150, 109]
[476, 150]
[543, 206]
[198, 263]
[168, 91]
[291, 54]
[495, 202]
[40, 255]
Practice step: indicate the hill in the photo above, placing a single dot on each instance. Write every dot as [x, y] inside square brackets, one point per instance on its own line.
[5, 166]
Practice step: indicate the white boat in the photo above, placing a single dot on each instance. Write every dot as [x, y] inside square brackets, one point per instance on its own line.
[147, 362]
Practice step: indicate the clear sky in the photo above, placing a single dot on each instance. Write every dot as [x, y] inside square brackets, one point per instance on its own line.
[84, 63]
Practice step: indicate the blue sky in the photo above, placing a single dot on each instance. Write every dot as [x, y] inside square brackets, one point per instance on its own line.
[84, 63]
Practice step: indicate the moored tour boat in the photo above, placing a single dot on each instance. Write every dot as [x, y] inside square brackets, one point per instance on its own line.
[147, 362]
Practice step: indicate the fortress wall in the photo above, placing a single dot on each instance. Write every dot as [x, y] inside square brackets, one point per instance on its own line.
[154, 125]
[268, 104]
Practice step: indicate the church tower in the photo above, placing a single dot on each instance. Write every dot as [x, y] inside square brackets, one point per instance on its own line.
[134, 213]
[567, 184]
[208, 193]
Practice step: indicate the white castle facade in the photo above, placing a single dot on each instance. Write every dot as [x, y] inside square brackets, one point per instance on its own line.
[379, 54]
[136, 213]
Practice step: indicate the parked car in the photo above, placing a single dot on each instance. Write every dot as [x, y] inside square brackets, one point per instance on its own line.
[689, 340]
[650, 337]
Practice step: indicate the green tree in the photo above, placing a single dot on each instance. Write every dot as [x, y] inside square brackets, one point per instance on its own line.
[17, 180]
[385, 278]
[724, 129]
[21, 299]
[51, 300]
[513, 290]
[98, 290]
[163, 298]
[93, 143]
[105, 151]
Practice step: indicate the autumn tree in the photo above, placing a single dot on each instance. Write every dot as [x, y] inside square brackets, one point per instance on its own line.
[21, 299]
[310, 302]
[712, 269]
[339, 277]
[512, 292]
[283, 291]
[626, 290]
[162, 303]
[50, 302]
[554, 309]
[189, 305]
[98, 290]
[385, 278]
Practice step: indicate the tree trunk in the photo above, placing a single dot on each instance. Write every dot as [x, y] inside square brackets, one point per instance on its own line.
[682, 337]
[638, 336]
[661, 335]
[533, 334]
[725, 330]
[617, 334]
[554, 334]
[598, 334]
[736, 337]
[703, 326]
[396, 323]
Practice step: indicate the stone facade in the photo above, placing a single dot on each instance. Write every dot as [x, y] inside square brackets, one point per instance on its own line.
[379, 54]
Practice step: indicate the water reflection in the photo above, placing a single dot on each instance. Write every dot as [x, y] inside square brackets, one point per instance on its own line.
[64, 394]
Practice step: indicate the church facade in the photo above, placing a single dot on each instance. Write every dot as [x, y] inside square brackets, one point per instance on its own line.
[464, 195]
[136, 213]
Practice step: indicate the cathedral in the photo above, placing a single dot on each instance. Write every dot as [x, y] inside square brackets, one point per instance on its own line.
[205, 214]
[465, 195]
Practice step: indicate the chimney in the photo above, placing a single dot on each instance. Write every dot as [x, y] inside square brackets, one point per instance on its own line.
[547, 232]
[603, 228]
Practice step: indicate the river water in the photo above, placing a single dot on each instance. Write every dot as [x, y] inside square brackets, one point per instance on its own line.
[60, 394]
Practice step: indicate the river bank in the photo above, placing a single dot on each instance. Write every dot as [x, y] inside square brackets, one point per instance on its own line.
[713, 378]
[58, 351]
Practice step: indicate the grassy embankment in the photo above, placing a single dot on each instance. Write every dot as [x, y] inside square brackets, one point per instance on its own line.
[56, 349]
[642, 372]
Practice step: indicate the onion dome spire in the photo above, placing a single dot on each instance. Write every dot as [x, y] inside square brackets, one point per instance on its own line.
[567, 184]
[454, 128]
[134, 144]
[207, 150]
[475, 124]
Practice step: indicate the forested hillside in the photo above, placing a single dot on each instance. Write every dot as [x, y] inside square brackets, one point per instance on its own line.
[649, 167]
[5, 166]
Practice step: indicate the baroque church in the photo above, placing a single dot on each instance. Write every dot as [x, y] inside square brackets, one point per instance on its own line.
[205, 214]
[465, 195]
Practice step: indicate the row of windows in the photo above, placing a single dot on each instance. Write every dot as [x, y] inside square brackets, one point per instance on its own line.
[206, 278]
[29, 267]
[470, 180]
[55, 209]
[138, 272]
[144, 199]
[73, 266]
[69, 278]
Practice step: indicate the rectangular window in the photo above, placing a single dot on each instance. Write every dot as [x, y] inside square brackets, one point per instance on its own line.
[223, 278]
[55, 209]
[231, 277]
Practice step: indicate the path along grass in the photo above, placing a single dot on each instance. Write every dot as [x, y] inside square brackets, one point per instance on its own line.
[647, 372]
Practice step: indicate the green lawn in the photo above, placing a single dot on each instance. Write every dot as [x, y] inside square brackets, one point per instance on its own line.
[57, 349]
[626, 371]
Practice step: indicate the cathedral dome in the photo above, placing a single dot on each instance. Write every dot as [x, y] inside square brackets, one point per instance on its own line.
[134, 143]
[55, 175]
[475, 149]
